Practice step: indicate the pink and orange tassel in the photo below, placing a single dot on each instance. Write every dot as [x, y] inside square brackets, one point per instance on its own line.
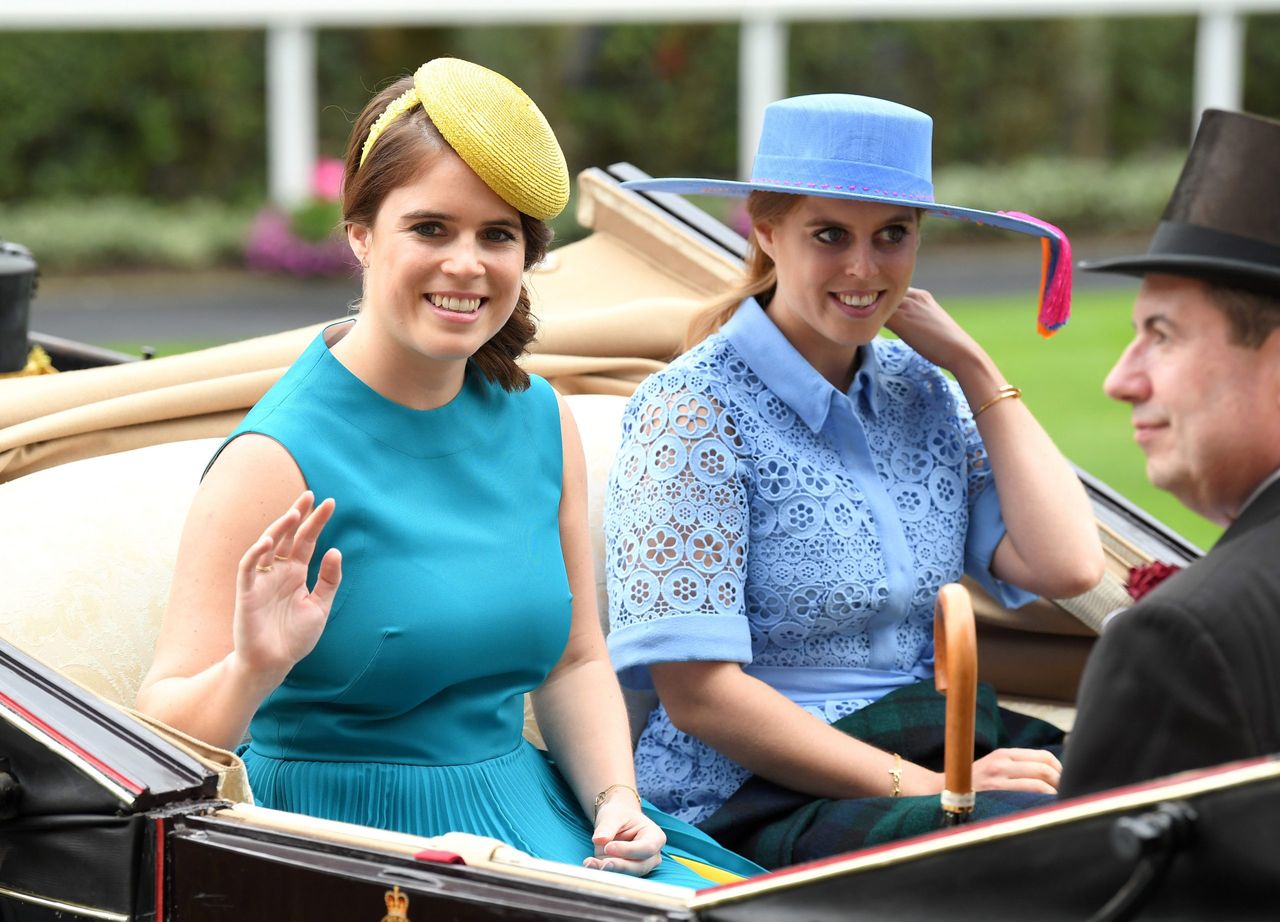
[1055, 275]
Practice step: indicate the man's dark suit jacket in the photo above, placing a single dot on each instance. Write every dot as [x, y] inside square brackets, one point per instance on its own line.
[1189, 676]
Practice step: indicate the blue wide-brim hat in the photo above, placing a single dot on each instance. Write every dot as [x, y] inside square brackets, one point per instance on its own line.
[856, 147]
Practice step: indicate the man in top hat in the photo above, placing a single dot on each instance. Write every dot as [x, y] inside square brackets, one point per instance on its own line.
[1189, 676]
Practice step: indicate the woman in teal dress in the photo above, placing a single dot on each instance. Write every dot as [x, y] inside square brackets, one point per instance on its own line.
[382, 680]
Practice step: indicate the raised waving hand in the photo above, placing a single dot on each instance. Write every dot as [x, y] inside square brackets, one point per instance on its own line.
[278, 618]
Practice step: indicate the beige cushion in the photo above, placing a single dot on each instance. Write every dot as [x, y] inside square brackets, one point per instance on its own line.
[599, 419]
[87, 574]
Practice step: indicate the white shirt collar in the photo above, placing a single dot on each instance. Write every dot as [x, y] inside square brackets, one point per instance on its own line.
[1261, 488]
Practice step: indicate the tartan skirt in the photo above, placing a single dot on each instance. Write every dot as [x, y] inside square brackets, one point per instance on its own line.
[776, 826]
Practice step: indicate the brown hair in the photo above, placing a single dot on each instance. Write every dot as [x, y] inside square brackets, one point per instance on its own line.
[1251, 315]
[402, 151]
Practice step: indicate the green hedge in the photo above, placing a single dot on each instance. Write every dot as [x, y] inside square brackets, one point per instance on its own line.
[118, 233]
[1081, 196]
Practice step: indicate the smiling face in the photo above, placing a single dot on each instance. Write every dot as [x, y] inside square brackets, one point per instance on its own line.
[1206, 410]
[843, 268]
[445, 256]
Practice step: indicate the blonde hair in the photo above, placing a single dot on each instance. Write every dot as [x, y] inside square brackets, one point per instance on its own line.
[760, 278]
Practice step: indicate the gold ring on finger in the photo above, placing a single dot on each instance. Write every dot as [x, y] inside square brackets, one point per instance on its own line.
[278, 557]
[262, 569]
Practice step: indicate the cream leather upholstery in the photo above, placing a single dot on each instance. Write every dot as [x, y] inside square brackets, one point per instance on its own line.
[86, 578]
[599, 419]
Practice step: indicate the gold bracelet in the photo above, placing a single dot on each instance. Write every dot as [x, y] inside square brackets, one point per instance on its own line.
[1005, 390]
[600, 798]
[896, 774]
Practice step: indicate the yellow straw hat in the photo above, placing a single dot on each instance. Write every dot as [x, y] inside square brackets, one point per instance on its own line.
[494, 127]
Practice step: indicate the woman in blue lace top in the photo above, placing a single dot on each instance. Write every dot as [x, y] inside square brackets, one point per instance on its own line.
[792, 490]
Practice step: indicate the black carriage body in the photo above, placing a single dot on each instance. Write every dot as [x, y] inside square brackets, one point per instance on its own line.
[220, 872]
[83, 825]
[1057, 863]
[115, 823]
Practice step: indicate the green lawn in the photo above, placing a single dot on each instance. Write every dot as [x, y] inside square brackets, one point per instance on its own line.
[1061, 380]
[161, 349]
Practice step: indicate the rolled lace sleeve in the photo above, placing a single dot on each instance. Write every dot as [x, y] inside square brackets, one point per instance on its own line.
[986, 522]
[676, 524]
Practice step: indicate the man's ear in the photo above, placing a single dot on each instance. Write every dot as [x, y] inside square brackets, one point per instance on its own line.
[1271, 348]
[1269, 421]
[360, 238]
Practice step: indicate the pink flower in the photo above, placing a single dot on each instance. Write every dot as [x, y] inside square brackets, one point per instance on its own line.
[1146, 577]
[272, 246]
[326, 179]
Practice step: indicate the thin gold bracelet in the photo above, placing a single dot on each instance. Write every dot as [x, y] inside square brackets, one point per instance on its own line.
[1004, 391]
[600, 798]
[896, 774]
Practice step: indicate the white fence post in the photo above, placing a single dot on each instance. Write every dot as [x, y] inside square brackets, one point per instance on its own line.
[762, 79]
[1219, 61]
[291, 111]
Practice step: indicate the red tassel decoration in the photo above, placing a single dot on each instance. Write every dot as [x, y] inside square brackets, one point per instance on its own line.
[1055, 275]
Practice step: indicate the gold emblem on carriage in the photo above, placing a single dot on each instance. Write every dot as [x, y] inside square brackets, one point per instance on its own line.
[397, 906]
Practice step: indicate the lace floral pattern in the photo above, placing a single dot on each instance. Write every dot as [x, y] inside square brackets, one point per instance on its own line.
[723, 502]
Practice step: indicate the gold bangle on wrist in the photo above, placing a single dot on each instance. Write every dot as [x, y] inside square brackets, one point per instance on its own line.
[600, 798]
[1002, 392]
[896, 774]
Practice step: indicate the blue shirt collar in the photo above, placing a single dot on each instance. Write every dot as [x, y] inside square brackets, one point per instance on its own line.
[790, 376]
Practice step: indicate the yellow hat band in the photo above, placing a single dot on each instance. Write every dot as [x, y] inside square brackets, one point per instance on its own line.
[494, 127]
[398, 107]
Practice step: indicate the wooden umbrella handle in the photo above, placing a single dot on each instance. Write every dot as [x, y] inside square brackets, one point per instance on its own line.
[956, 675]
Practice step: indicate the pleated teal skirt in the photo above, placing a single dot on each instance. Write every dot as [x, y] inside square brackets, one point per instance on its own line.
[519, 798]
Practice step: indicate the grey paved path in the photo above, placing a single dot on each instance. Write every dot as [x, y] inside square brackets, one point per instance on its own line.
[131, 310]
[206, 307]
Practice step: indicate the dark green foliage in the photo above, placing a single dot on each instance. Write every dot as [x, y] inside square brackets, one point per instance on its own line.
[1002, 90]
[163, 115]
[990, 86]
[663, 97]
[354, 64]
[317, 220]
[1152, 84]
[1262, 65]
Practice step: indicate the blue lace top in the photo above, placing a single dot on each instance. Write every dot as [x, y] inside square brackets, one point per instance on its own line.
[757, 515]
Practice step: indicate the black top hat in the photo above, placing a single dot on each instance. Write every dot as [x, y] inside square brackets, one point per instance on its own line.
[1223, 221]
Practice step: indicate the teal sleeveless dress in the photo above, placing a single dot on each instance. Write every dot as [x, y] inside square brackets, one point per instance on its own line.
[454, 602]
